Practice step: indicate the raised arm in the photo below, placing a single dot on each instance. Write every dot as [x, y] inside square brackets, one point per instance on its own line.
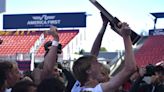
[130, 65]
[97, 43]
[51, 57]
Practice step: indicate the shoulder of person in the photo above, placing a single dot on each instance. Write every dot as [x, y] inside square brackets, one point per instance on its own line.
[95, 89]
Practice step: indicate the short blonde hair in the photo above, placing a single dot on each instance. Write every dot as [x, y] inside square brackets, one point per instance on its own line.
[80, 67]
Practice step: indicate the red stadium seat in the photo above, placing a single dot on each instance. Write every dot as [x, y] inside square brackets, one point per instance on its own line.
[151, 52]
[13, 44]
[65, 37]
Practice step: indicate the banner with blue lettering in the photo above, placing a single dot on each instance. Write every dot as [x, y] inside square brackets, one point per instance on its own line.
[61, 20]
[156, 32]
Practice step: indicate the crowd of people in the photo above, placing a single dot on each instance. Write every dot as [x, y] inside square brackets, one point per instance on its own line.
[88, 75]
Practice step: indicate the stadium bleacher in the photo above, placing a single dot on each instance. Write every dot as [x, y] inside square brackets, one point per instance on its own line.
[21, 42]
[64, 36]
[151, 52]
[13, 44]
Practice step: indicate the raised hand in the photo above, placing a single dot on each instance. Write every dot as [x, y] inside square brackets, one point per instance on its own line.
[54, 32]
[124, 29]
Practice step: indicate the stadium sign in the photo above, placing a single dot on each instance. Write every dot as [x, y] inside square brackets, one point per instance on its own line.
[156, 32]
[61, 20]
[43, 20]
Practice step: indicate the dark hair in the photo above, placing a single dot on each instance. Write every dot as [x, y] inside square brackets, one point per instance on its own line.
[51, 85]
[48, 44]
[150, 70]
[5, 67]
[23, 86]
[159, 69]
[1, 41]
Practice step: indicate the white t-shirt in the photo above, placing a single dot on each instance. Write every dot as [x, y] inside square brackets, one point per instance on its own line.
[95, 89]
[8, 90]
[76, 87]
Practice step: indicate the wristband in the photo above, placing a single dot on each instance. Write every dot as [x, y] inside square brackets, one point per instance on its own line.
[55, 43]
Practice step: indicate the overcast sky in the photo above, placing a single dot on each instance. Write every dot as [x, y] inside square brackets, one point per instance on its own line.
[135, 12]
